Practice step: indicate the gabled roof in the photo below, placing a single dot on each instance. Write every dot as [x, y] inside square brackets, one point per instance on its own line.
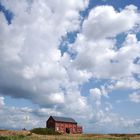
[63, 119]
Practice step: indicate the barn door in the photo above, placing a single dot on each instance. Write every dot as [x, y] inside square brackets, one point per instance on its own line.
[68, 130]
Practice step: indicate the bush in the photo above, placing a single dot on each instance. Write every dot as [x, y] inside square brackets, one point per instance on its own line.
[44, 131]
[4, 138]
[18, 137]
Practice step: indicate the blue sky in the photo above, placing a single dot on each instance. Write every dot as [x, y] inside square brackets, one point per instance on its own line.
[75, 58]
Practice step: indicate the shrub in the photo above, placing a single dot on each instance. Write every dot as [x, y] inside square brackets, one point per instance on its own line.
[44, 131]
[4, 138]
[18, 137]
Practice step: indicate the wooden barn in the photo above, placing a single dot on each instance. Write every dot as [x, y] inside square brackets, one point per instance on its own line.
[63, 125]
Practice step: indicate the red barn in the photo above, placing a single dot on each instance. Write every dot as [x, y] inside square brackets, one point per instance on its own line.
[63, 125]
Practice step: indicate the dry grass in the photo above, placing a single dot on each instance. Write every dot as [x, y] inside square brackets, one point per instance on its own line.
[80, 137]
[14, 133]
[26, 135]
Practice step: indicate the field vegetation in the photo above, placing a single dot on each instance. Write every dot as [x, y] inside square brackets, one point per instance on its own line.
[44, 131]
[46, 134]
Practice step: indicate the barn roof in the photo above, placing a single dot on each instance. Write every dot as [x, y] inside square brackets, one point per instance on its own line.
[63, 119]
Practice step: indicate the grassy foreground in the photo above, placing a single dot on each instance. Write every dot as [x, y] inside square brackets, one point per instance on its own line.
[44, 134]
[66, 137]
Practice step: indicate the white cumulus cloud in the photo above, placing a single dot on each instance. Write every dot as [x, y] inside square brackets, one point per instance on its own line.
[2, 102]
[105, 21]
[134, 97]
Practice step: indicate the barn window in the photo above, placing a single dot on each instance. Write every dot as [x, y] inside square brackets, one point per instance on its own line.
[57, 128]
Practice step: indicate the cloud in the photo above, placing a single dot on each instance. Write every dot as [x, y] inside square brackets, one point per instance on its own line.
[2, 102]
[95, 46]
[117, 124]
[95, 95]
[31, 58]
[128, 82]
[134, 97]
[19, 118]
[103, 60]
[104, 21]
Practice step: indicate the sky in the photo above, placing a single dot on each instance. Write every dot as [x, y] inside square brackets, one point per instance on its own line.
[76, 58]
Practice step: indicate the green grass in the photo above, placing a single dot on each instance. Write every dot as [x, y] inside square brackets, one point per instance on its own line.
[67, 136]
[55, 138]
[112, 139]
[20, 137]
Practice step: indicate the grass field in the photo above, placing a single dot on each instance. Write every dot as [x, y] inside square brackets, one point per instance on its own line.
[26, 135]
[64, 137]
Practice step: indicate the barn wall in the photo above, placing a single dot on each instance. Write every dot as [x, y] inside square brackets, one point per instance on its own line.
[50, 123]
[62, 126]
[79, 129]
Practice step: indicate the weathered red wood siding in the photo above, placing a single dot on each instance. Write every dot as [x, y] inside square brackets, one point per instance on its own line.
[50, 123]
[79, 129]
[62, 126]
